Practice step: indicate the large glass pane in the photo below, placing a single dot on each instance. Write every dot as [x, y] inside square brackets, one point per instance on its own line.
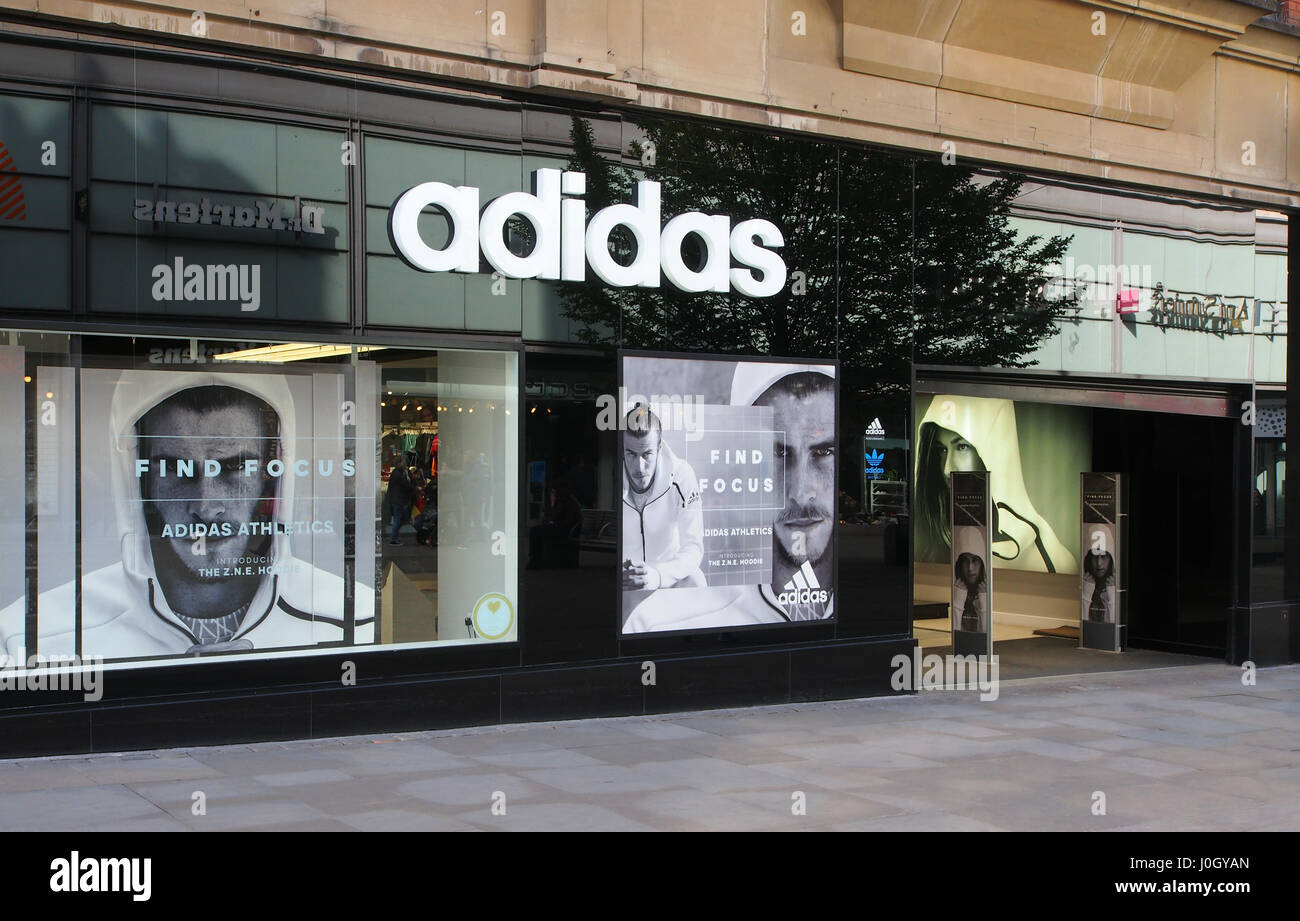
[200, 498]
[449, 461]
[217, 216]
[35, 159]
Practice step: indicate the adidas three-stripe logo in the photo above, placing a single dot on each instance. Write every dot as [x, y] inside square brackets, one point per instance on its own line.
[804, 588]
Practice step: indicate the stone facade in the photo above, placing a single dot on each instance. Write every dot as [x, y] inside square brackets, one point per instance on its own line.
[1192, 95]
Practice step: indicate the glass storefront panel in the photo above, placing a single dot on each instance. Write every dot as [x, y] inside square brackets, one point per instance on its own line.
[889, 261]
[209, 216]
[398, 295]
[35, 163]
[208, 498]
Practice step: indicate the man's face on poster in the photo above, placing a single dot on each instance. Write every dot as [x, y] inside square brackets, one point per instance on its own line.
[229, 436]
[640, 458]
[805, 444]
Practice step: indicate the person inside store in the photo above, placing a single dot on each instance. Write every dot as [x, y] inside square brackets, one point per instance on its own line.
[663, 517]
[426, 522]
[802, 399]
[401, 493]
[207, 563]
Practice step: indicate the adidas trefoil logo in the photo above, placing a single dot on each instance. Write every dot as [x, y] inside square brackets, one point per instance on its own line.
[804, 588]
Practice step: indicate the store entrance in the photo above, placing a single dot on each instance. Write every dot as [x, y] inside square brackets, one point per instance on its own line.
[1179, 554]
[1180, 525]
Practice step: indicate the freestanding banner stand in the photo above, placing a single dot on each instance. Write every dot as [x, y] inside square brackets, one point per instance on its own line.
[1103, 589]
[972, 555]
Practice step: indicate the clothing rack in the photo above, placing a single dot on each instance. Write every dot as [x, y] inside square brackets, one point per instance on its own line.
[413, 428]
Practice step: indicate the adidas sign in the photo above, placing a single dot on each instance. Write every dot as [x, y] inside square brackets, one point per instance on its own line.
[804, 588]
[875, 429]
[564, 247]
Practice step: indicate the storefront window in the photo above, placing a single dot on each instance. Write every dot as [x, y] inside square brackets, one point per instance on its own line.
[199, 215]
[401, 296]
[35, 160]
[207, 498]
[449, 465]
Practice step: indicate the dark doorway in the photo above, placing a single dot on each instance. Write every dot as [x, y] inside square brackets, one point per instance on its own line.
[570, 496]
[1181, 530]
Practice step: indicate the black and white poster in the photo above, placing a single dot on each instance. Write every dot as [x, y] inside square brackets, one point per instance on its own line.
[728, 481]
[972, 616]
[212, 510]
[1101, 618]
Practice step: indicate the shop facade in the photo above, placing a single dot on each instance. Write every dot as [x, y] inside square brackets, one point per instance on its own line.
[305, 432]
[1170, 368]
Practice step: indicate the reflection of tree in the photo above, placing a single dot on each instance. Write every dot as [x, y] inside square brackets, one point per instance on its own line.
[977, 287]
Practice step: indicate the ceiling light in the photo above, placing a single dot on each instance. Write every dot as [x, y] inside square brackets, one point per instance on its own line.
[293, 351]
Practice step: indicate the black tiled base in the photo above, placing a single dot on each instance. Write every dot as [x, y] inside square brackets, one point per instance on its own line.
[612, 688]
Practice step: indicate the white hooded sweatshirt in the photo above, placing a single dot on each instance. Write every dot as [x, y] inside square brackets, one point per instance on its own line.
[1024, 539]
[667, 532]
[125, 613]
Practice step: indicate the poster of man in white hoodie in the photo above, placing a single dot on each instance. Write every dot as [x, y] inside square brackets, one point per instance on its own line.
[212, 519]
[663, 519]
[757, 441]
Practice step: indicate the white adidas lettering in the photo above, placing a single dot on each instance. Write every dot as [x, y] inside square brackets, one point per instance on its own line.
[803, 588]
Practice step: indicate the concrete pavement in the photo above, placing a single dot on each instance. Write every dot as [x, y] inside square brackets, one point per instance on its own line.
[1186, 748]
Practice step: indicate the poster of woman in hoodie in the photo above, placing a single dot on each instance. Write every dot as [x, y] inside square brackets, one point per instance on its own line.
[212, 518]
[1098, 592]
[970, 594]
[1101, 500]
[977, 433]
[728, 514]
